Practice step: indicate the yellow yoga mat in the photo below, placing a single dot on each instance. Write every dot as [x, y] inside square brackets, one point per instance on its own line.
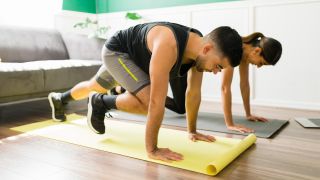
[128, 139]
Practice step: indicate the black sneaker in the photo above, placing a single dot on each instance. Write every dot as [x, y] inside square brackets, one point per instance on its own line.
[96, 113]
[57, 107]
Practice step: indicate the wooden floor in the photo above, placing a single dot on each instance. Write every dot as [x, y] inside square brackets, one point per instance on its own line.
[294, 153]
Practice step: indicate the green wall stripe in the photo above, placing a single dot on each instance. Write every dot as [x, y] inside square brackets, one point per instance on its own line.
[88, 6]
[127, 5]
[103, 6]
[108, 6]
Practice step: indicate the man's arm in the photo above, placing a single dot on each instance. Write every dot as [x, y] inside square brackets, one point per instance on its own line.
[164, 53]
[227, 75]
[193, 99]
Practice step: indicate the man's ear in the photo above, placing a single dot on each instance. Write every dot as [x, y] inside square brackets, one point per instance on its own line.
[207, 47]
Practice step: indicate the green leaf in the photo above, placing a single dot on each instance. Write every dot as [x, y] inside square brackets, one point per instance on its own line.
[80, 25]
[133, 16]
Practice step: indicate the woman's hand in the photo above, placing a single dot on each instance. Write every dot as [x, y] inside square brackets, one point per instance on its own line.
[256, 118]
[201, 137]
[165, 154]
[240, 128]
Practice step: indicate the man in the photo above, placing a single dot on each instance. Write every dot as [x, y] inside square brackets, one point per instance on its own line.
[144, 58]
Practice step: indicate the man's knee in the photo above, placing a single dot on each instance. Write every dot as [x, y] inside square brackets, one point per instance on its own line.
[144, 97]
[93, 85]
[177, 107]
[181, 111]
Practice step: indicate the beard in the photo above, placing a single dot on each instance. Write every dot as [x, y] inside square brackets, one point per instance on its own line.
[199, 69]
[198, 65]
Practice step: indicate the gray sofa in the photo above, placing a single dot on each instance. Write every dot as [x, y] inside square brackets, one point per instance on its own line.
[35, 62]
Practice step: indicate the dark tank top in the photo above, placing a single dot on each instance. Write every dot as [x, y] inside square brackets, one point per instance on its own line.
[134, 42]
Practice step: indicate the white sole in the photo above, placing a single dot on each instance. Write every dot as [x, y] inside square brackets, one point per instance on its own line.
[52, 109]
[89, 114]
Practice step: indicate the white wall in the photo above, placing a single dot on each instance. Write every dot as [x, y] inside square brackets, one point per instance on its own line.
[295, 80]
[237, 19]
[29, 13]
[292, 83]
[65, 20]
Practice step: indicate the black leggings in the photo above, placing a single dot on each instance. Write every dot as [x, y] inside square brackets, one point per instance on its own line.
[177, 103]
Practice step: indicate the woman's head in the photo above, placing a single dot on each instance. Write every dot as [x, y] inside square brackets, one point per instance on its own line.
[221, 48]
[264, 51]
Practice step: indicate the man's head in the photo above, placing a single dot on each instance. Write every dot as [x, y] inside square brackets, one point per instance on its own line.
[221, 48]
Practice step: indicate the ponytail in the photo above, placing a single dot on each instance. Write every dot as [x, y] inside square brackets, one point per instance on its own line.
[253, 38]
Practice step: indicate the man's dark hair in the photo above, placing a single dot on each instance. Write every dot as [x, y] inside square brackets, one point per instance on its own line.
[229, 43]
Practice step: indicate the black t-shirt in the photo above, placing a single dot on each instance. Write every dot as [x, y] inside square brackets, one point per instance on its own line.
[134, 42]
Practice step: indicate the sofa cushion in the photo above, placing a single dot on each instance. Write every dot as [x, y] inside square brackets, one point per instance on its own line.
[20, 78]
[82, 47]
[44, 76]
[67, 73]
[18, 44]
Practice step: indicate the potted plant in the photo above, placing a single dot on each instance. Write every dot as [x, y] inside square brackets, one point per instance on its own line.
[101, 31]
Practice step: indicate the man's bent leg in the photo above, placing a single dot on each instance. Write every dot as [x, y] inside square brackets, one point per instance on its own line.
[178, 87]
[82, 89]
[137, 103]
[100, 83]
[126, 73]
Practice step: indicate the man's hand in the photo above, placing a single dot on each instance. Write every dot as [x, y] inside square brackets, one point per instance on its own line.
[165, 154]
[256, 118]
[240, 128]
[201, 137]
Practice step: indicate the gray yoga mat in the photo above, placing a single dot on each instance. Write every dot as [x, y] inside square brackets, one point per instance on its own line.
[308, 123]
[211, 122]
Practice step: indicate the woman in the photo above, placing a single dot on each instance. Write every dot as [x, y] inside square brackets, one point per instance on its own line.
[257, 50]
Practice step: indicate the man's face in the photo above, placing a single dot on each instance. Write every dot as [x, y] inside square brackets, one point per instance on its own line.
[209, 60]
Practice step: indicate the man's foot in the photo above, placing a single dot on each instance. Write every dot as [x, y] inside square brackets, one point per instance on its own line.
[96, 113]
[57, 107]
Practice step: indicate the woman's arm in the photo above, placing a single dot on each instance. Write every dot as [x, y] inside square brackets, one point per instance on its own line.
[245, 92]
[245, 86]
[227, 75]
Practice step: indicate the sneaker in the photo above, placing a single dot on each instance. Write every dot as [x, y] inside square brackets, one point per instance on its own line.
[96, 113]
[57, 107]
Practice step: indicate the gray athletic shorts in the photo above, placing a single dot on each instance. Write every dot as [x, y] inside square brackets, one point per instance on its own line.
[119, 69]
